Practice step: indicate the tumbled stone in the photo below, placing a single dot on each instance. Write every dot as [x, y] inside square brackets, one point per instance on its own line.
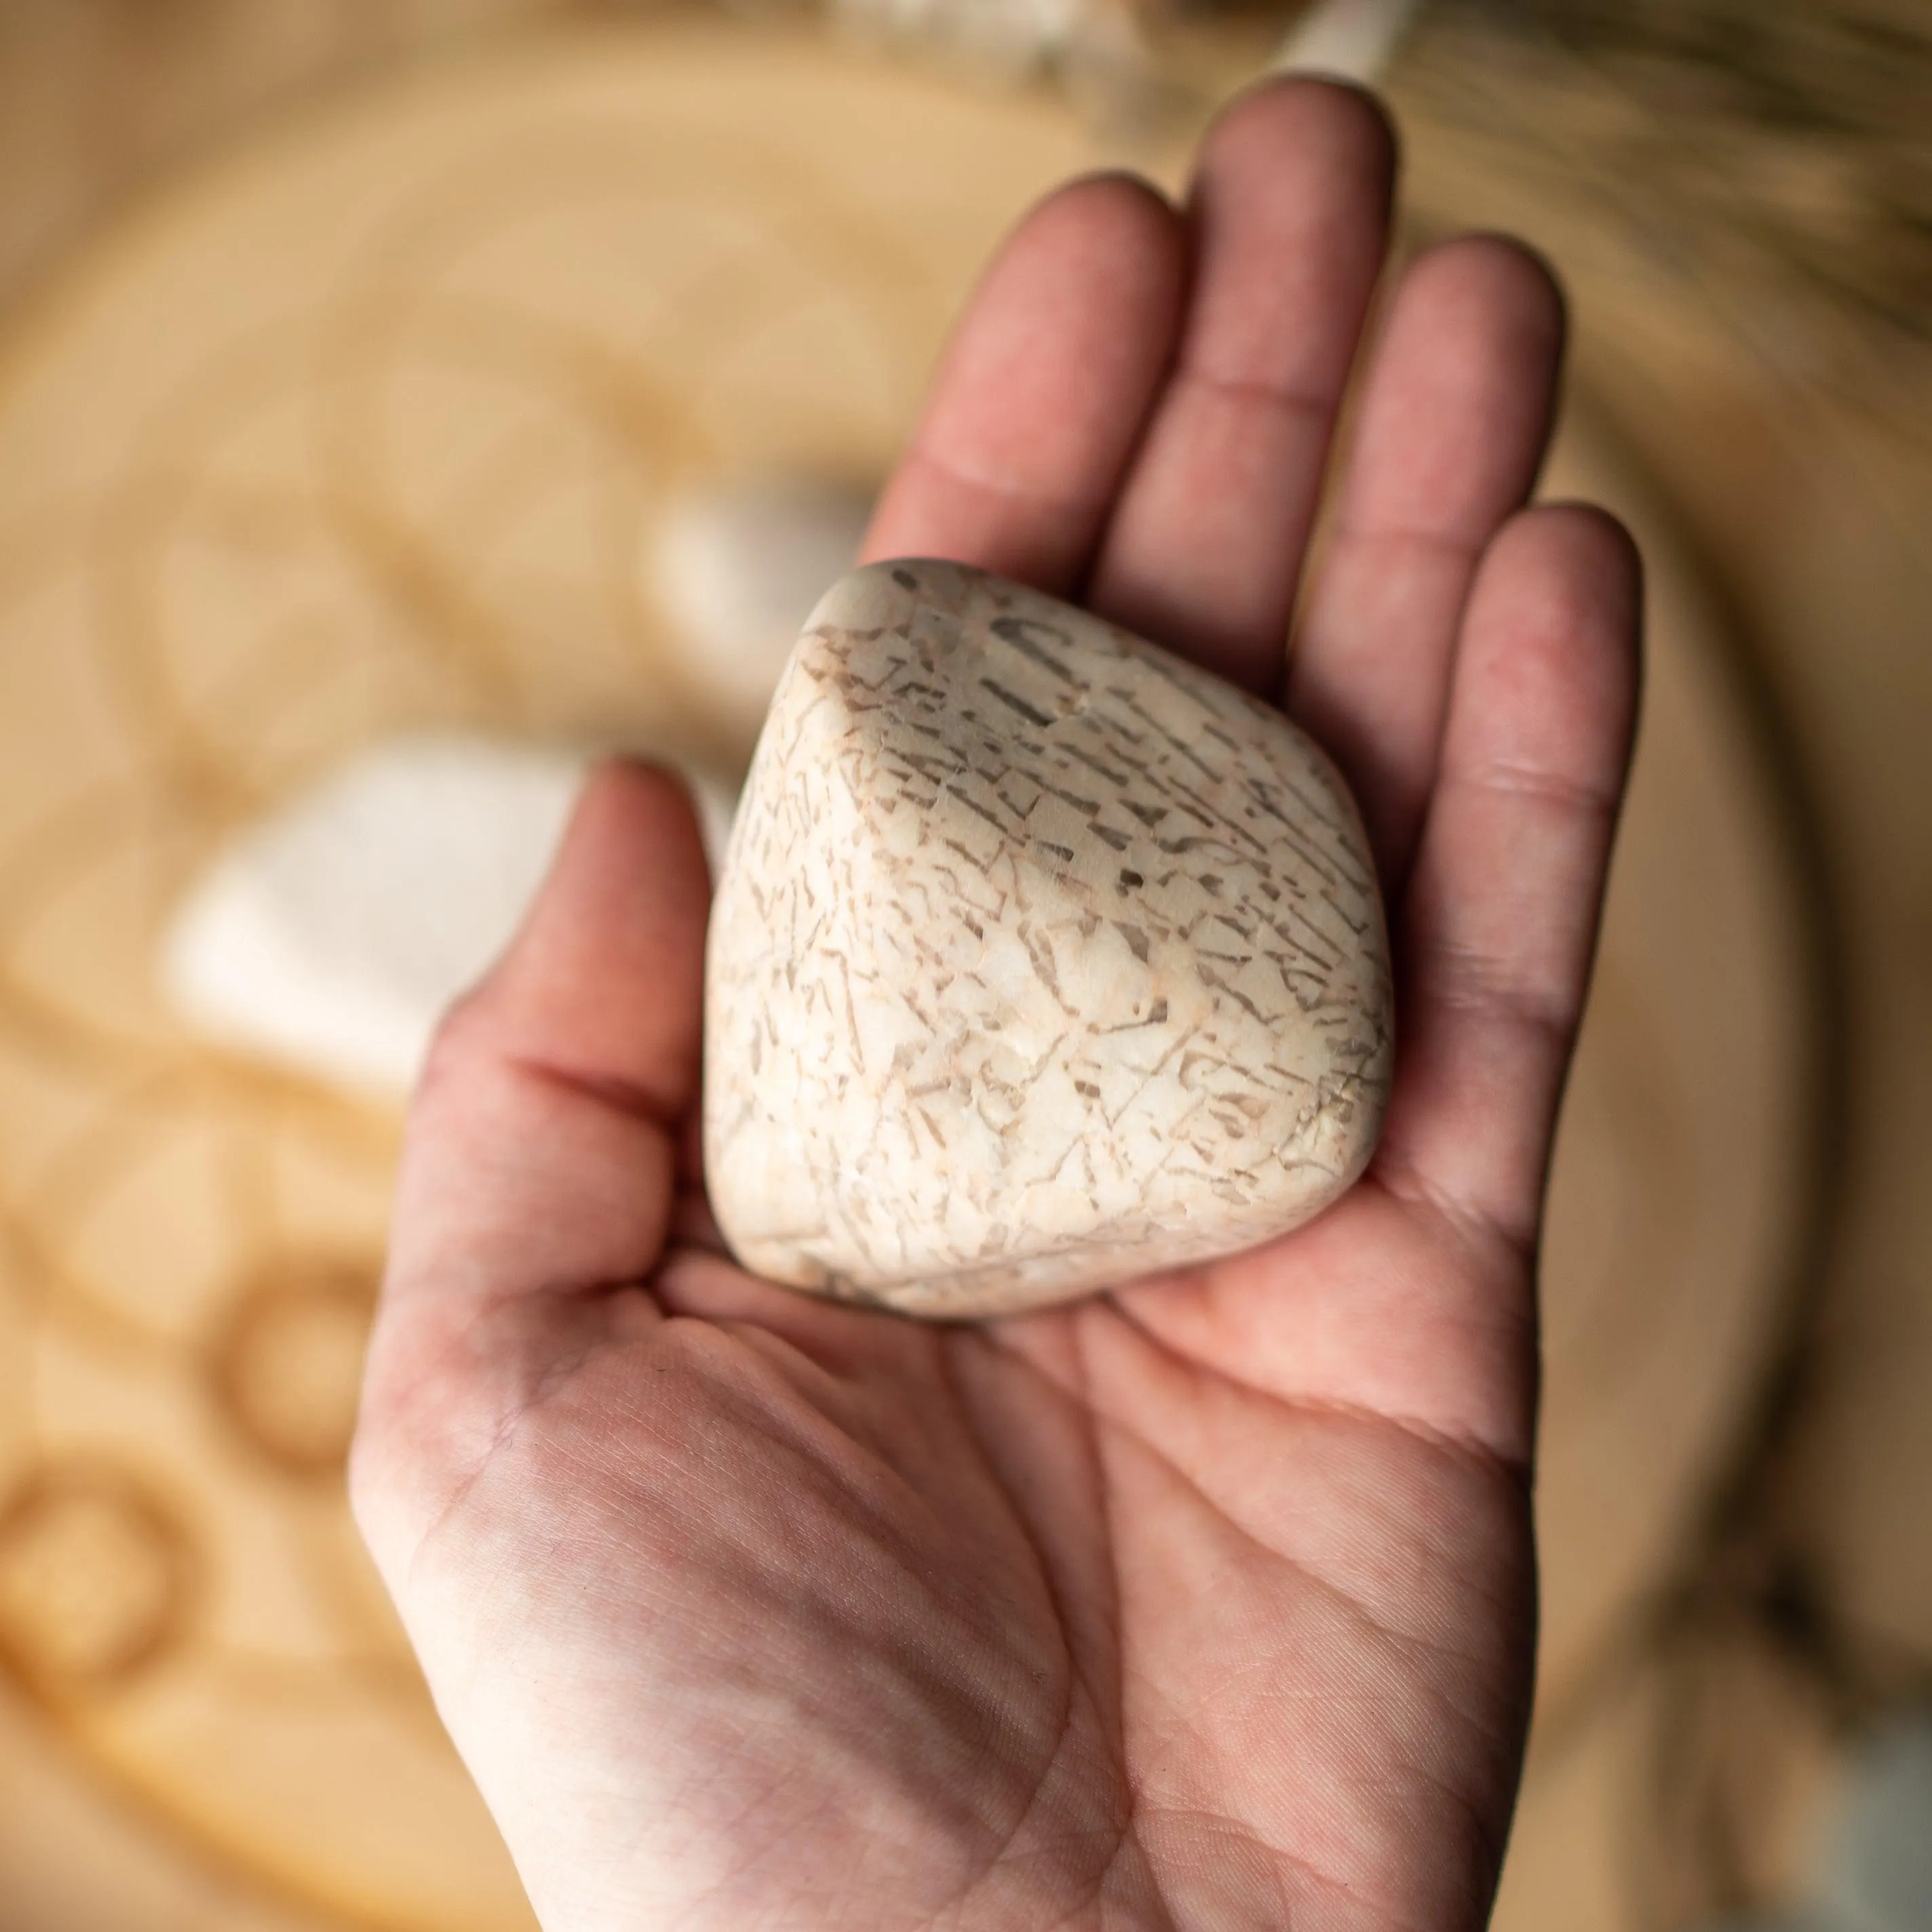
[1041, 959]
[735, 569]
[328, 936]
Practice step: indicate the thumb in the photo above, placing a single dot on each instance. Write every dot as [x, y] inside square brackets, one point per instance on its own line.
[542, 1157]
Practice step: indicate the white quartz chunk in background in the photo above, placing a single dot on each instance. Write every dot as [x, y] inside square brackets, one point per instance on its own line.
[1357, 40]
[1041, 959]
[736, 570]
[329, 937]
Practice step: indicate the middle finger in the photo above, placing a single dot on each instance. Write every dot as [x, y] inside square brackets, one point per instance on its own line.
[1289, 215]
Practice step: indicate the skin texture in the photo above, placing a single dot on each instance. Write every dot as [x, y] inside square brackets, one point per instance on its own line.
[1207, 1602]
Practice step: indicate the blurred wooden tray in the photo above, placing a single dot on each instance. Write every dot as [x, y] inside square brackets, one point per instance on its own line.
[365, 428]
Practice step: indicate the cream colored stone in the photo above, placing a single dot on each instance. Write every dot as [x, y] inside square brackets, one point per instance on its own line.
[736, 570]
[1041, 959]
[329, 936]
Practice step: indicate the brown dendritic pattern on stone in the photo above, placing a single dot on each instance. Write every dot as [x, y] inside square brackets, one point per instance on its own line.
[1041, 959]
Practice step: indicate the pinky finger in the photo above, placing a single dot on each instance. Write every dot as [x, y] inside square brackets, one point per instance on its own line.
[1500, 921]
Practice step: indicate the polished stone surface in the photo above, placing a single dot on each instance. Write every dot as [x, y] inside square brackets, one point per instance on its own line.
[1042, 959]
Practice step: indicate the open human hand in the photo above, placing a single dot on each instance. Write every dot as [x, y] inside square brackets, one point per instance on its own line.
[1207, 1602]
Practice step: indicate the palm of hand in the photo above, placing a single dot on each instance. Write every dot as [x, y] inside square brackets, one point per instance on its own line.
[1206, 1603]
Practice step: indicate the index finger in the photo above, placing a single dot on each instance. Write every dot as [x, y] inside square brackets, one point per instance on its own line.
[1041, 394]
